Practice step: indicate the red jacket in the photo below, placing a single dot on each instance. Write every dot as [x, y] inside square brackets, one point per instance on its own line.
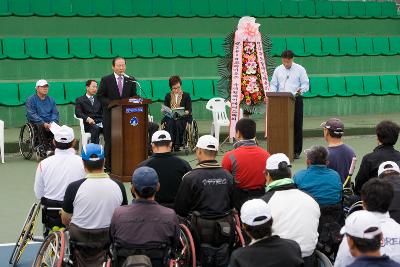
[246, 163]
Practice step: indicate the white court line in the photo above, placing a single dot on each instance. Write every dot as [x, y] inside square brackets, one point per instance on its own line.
[13, 244]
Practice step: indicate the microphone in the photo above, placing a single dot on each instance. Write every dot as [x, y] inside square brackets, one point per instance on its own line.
[133, 80]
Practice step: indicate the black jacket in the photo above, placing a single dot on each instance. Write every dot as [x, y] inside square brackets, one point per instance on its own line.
[170, 170]
[394, 208]
[370, 164]
[108, 90]
[186, 101]
[207, 189]
[270, 252]
[84, 109]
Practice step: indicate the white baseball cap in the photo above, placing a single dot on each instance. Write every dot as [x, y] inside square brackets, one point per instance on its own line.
[160, 136]
[64, 134]
[41, 83]
[359, 222]
[208, 142]
[255, 212]
[388, 166]
[274, 160]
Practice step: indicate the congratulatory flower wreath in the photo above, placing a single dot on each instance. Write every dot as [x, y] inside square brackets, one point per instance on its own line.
[246, 66]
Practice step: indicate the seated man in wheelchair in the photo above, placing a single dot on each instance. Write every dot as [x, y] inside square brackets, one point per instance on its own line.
[176, 124]
[41, 111]
[205, 198]
[88, 206]
[265, 249]
[144, 227]
[54, 174]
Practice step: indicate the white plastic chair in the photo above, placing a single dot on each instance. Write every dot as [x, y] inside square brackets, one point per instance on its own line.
[85, 137]
[2, 140]
[217, 106]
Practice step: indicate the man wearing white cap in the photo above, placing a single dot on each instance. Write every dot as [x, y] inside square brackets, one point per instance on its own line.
[376, 195]
[170, 168]
[389, 171]
[41, 109]
[55, 173]
[296, 214]
[264, 247]
[364, 237]
[206, 193]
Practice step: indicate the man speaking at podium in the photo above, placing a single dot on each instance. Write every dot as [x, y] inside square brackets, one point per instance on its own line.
[291, 77]
[115, 86]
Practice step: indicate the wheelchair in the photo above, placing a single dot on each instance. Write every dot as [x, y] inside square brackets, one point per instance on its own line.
[28, 229]
[190, 135]
[58, 250]
[32, 142]
[198, 245]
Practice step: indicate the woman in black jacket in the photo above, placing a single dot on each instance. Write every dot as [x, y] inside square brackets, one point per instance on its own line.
[176, 124]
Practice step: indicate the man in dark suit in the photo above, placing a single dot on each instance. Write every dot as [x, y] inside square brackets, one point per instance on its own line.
[113, 87]
[89, 108]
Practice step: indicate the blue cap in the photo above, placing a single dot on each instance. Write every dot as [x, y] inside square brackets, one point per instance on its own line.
[144, 177]
[91, 150]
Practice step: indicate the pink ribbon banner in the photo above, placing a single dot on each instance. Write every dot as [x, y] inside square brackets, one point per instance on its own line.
[247, 32]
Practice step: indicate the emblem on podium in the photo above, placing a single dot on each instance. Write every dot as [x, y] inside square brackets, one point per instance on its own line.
[134, 121]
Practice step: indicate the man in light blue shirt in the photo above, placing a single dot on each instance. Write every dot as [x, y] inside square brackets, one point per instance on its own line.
[291, 77]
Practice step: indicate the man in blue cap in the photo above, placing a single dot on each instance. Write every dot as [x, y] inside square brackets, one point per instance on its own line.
[89, 204]
[145, 223]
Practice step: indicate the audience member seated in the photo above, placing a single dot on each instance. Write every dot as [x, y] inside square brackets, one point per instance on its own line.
[387, 133]
[144, 224]
[206, 194]
[264, 250]
[295, 214]
[322, 183]
[170, 169]
[88, 206]
[246, 163]
[175, 100]
[376, 195]
[55, 173]
[325, 186]
[364, 237]
[340, 155]
[88, 107]
[389, 171]
[41, 111]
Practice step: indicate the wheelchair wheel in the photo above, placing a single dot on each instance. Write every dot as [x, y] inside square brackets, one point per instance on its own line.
[26, 141]
[51, 252]
[186, 252]
[239, 239]
[190, 137]
[26, 234]
[355, 207]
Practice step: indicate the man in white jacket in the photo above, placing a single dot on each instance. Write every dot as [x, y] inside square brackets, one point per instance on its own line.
[376, 195]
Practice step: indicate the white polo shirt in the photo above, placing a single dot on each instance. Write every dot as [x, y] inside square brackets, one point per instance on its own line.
[390, 244]
[56, 172]
[92, 200]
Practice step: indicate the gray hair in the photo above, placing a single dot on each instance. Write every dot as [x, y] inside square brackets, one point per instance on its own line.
[317, 155]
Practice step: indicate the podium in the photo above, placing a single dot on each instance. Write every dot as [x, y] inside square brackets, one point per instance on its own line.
[129, 136]
[280, 123]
